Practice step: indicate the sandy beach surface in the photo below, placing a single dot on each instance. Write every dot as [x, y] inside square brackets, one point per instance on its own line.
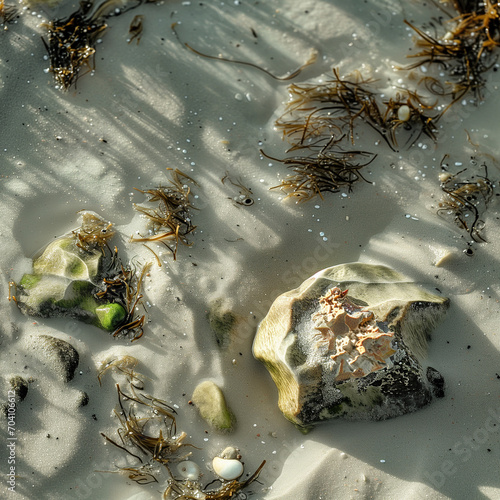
[156, 105]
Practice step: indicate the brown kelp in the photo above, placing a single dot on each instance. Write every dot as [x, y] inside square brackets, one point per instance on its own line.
[71, 41]
[326, 171]
[135, 29]
[8, 12]
[465, 50]
[465, 198]
[158, 445]
[171, 218]
[94, 232]
[312, 59]
[125, 365]
[329, 110]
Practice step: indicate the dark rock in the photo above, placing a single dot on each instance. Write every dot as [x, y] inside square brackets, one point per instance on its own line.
[19, 386]
[84, 399]
[437, 382]
[63, 356]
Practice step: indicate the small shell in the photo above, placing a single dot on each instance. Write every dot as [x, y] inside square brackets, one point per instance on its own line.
[444, 176]
[404, 113]
[227, 468]
[229, 452]
[188, 470]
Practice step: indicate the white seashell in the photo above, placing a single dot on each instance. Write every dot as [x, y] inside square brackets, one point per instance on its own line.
[188, 470]
[227, 468]
[404, 113]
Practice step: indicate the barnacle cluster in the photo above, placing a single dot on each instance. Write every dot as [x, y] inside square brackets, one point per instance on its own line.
[351, 332]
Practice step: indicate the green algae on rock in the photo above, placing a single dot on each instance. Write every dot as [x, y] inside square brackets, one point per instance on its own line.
[62, 282]
[78, 276]
[348, 343]
[222, 322]
[211, 403]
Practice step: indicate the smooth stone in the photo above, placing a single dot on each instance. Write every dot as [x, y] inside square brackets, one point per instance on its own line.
[359, 362]
[437, 382]
[62, 282]
[211, 404]
[110, 315]
[189, 470]
[227, 468]
[63, 356]
[66, 276]
[64, 258]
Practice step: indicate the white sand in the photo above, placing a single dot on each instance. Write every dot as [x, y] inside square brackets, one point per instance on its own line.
[158, 105]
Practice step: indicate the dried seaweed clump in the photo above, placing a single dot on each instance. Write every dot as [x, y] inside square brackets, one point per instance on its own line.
[329, 170]
[318, 113]
[153, 433]
[125, 365]
[318, 118]
[7, 12]
[171, 218]
[466, 199]
[465, 50]
[94, 232]
[71, 41]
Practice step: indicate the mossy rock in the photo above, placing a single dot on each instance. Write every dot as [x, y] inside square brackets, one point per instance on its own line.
[211, 403]
[63, 283]
[110, 316]
[222, 323]
[64, 258]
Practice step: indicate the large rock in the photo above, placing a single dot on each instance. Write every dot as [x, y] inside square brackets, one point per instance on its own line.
[64, 279]
[348, 344]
